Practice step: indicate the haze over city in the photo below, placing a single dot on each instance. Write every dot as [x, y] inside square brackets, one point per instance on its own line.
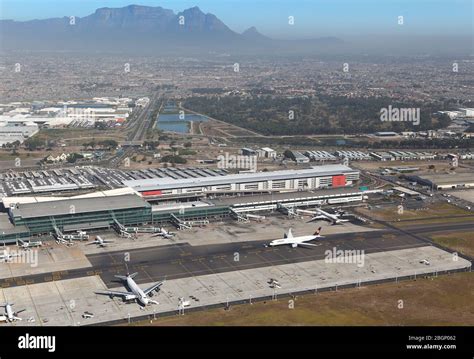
[215, 164]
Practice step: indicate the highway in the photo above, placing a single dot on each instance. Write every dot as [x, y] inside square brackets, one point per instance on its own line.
[144, 120]
[184, 260]
[137, 129]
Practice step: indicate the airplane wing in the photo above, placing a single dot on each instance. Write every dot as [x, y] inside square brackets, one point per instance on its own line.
[308, 244]
[153, 287]
[319, 217]
[19, 311]
[128, 295]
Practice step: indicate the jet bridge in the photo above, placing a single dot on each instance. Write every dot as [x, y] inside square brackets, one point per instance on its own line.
[142, 229]
[239, 217]
[288, 210]
[120, 228]
[180, 224]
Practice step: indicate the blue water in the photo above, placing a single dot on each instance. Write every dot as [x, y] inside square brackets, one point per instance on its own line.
[180, 127]
[173, 122]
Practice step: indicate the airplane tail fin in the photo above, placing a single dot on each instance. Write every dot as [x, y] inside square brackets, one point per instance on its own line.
[317, 232]
[133, 275]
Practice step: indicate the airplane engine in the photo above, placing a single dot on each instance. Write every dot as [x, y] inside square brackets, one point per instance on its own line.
[129, 297]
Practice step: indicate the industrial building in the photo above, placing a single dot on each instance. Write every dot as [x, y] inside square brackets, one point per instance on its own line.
[402, 156]
[248, 152]
[297, 156]
[12, 131]
[318, 177]
[445, 181]
[320, 156]
[267, 152]
[354, 155]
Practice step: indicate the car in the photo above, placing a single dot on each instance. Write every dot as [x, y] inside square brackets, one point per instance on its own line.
[87, 315]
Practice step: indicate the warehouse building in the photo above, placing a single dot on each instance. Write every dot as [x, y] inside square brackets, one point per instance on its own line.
[297, 156]
[354, 155]
[320, 156]
[445, 181]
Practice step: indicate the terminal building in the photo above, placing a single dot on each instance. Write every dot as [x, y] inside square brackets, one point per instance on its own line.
[318, 177]
[80, 213]
[181, 201]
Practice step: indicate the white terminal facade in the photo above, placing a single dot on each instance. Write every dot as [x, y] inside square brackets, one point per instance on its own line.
[318, 177]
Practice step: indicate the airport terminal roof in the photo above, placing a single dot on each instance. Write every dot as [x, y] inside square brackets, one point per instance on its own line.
[301, 195]
[7, 228]
[169, 183]
[81, 205]
[13, 200]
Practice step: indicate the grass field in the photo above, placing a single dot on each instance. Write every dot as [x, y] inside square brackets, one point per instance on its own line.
[445, 300]
[444, 211]
[462, 242]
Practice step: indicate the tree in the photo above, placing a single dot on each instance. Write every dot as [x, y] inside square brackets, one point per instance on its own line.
[173, 159]
[73, 157]
[33, 143]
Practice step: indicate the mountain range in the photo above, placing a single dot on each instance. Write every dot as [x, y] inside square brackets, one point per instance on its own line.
[145, 29]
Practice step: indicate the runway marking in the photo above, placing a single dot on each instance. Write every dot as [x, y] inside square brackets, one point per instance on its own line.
[35, 306]
[197, 279]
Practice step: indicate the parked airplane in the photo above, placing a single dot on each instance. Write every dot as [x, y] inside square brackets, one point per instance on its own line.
[6, 256]
[296, 241]
[29, 244]
[323, 215]
[100, 241]
[10, 314]
[135, 294]
[164, 233]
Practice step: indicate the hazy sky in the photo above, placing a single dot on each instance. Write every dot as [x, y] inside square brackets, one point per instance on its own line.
[313, 18]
